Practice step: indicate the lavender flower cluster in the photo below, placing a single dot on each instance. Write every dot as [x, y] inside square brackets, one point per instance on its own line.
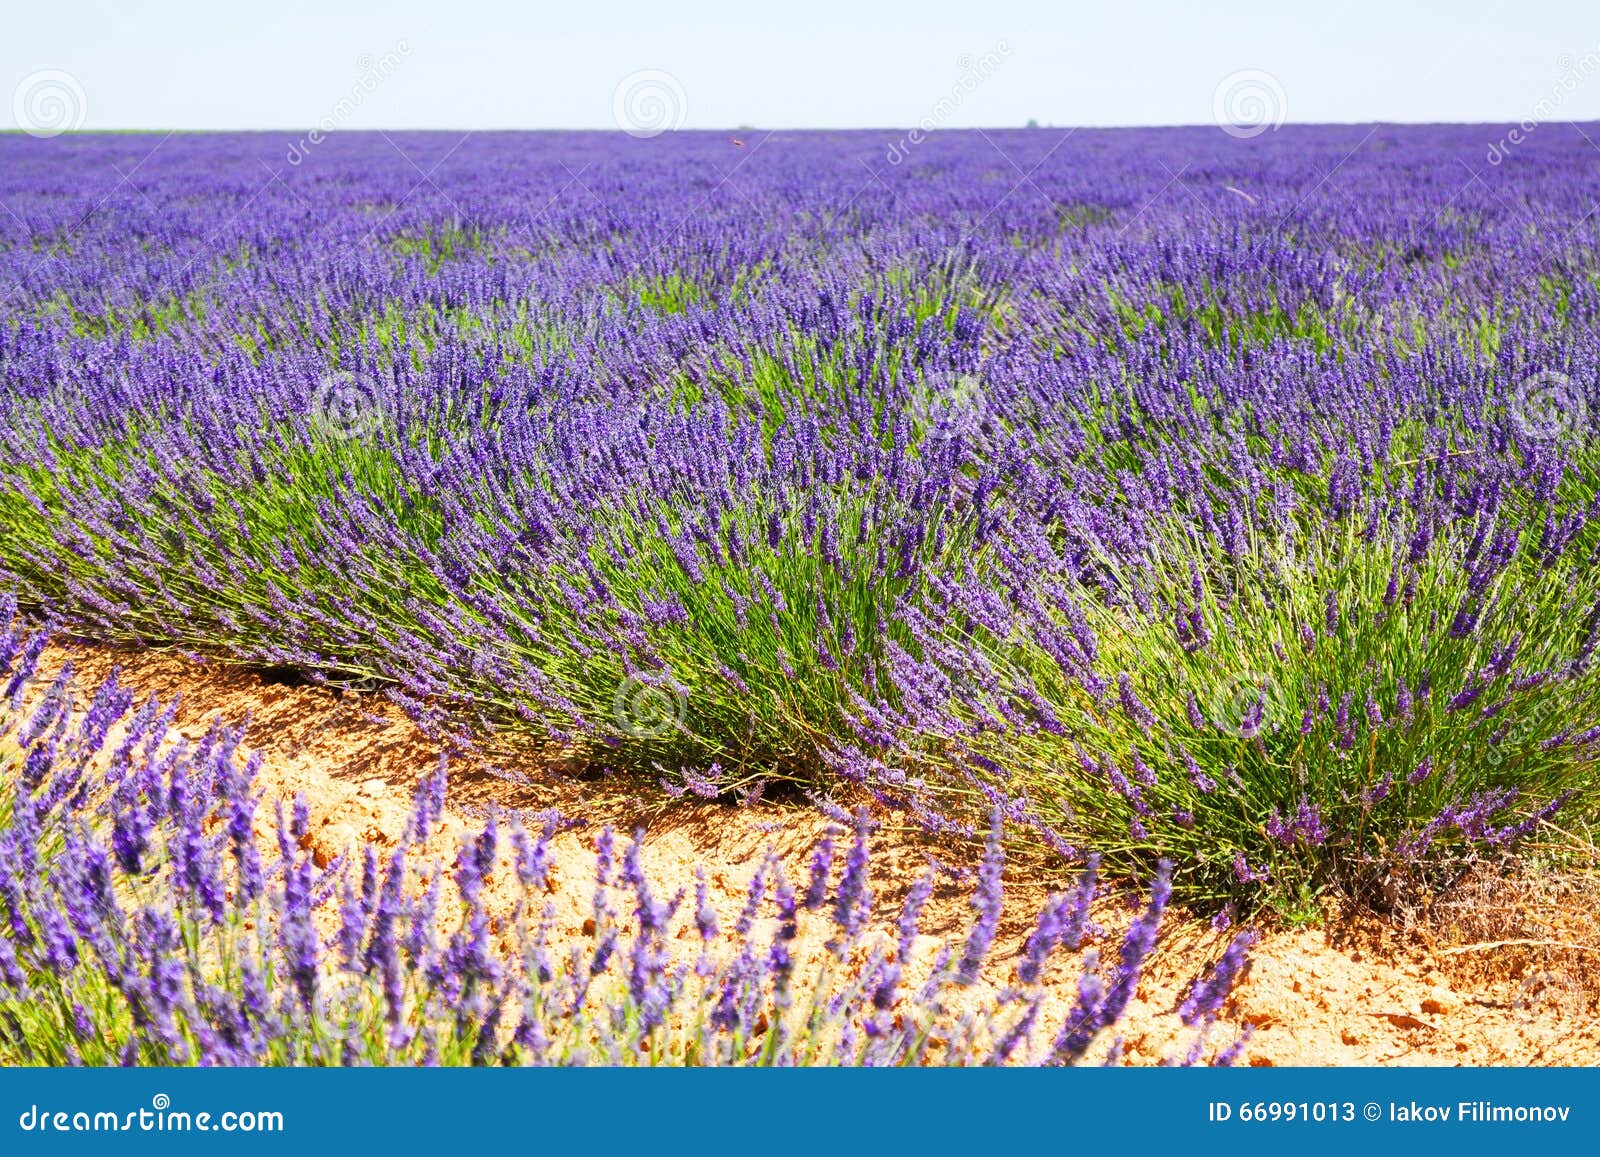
[1177, 517]
[148, 917]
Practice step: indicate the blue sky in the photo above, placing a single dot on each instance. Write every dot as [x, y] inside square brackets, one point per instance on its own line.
[825, 63]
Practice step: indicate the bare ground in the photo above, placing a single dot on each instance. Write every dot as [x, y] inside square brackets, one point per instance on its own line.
[1499, 972]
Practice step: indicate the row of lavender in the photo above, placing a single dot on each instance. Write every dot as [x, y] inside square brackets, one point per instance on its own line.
[1180, 496]
[151, 914]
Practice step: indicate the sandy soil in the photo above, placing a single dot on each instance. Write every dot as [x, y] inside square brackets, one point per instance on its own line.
[1355, 992]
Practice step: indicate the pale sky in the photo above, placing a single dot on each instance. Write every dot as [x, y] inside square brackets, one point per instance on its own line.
[293, 64]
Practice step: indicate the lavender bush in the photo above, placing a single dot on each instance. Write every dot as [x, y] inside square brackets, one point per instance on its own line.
[1244, 518]
[143, 921]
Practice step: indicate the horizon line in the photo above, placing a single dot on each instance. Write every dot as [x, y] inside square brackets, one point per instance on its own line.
[129, 130]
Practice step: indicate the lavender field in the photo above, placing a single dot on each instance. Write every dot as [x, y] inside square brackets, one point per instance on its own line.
[1219, 510]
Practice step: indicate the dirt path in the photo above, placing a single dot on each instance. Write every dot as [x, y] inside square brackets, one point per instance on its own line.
[1354, 995]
